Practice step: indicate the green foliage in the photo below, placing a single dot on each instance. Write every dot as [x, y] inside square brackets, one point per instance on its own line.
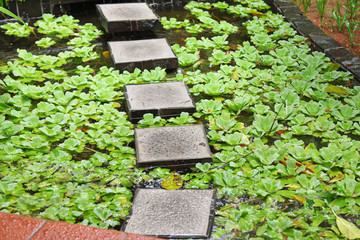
[45, 42]
[183, 119]
[282, 126]
[321, 8]
[339, 18]
[219, 57]
[173, 23]
[188, 59]
[149, 121]
[17, 29]
[194, 29]
[266, 125]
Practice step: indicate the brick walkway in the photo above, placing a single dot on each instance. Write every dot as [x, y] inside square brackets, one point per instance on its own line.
[16, 227]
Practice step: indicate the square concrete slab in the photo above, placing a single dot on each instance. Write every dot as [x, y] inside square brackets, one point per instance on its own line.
[142, 54]
[171, 214]
[126, 17]
[172, 147]
[165, 99]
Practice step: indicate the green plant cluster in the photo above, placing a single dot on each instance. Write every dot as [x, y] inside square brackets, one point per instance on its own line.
[56, 29]
[204, 19]
[284, 127]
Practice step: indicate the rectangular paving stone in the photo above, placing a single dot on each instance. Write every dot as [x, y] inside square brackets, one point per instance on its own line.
[282, 3]
[142, 54]
[171, 147]
[172, 214]
[126, 17]
[323, 41]
[303, 24]
[355, 70]
[291, 9]
[342, 56]
[161, 99]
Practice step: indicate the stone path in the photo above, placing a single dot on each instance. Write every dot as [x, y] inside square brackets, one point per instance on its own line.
[142, 54]
[163, 213]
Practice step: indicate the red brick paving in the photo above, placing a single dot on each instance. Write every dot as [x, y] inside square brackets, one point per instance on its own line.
[52, 230]
[16, 227]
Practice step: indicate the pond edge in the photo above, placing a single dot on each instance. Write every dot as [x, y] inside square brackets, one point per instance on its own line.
[320, 40]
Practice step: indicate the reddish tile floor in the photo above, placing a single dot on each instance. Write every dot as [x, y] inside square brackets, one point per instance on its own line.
[16, 227]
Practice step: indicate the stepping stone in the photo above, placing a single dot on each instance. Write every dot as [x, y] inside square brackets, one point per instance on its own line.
[171, 147]
[142, 54]
[165, 99]
[126, 17]
[171, 214]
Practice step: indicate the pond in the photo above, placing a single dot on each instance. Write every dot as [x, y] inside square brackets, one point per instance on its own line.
[282, 121]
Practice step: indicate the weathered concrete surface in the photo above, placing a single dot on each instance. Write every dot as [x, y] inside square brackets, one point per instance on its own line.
[323, 41]
[161, 99]
[172, 214]
[126, 17]
[142, 54]
[179, 146]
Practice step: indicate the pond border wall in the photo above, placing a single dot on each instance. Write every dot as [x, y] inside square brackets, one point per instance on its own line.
[320, 40]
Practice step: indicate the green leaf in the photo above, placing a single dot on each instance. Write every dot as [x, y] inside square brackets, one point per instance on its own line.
[203, 167]
[348, 229]
[102, 212]
[336, 89]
